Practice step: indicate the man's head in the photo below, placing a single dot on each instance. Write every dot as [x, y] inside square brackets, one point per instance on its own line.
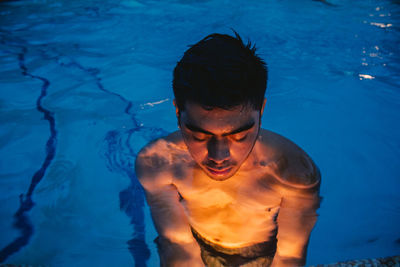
[220, 71]
[219, 88]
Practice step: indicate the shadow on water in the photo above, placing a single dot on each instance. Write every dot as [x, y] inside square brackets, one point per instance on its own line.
[120, 158]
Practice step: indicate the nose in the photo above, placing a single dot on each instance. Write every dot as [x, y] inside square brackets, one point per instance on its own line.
[218, 150]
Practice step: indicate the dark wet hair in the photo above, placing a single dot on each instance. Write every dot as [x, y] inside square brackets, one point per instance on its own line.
[220, 71]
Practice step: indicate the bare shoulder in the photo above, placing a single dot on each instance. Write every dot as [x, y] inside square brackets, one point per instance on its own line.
[155, 161]
[289, 162]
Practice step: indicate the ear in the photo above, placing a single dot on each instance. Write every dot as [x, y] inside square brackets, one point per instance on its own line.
[176, 108]
[263, 106]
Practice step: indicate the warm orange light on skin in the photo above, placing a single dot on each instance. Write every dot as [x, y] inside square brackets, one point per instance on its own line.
[269, 184]
[219, 140]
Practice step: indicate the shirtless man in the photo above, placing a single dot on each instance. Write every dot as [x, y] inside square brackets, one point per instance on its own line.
[222, 191]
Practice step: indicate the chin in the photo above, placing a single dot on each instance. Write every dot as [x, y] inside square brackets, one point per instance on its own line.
[219, 179]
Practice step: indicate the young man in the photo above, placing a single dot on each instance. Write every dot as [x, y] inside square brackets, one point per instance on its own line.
[223, 191]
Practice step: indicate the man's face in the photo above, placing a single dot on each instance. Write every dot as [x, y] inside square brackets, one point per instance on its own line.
[219, 140]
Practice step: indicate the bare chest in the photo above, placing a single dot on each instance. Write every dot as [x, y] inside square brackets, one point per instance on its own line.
[236, 211]
[251, 190]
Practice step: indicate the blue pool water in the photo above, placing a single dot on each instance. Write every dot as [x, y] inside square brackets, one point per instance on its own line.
[85, 84]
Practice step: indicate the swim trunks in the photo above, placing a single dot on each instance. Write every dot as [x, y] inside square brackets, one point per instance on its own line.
[214, 255]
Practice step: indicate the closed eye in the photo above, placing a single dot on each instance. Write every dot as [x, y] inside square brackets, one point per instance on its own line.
[239, 137]
[199, 137]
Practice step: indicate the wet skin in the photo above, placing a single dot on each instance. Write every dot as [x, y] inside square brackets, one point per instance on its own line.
[230, 180]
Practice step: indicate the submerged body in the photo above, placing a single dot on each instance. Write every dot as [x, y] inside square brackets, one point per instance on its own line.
[274, 194]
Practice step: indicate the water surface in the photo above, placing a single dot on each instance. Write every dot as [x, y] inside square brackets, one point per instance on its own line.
[85, 84]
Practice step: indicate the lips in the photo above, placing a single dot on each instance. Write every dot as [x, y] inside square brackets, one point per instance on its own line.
[219, 172]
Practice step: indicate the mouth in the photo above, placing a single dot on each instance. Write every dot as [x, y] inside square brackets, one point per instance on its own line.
[219, 172]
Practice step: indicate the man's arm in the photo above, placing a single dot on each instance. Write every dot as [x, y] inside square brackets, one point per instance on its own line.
[177, 244]
[296, 219]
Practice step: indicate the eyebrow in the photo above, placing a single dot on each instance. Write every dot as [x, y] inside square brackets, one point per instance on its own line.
[242, 128]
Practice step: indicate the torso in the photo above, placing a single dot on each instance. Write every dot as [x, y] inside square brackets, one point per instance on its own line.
[233, 213]
[241, 210]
